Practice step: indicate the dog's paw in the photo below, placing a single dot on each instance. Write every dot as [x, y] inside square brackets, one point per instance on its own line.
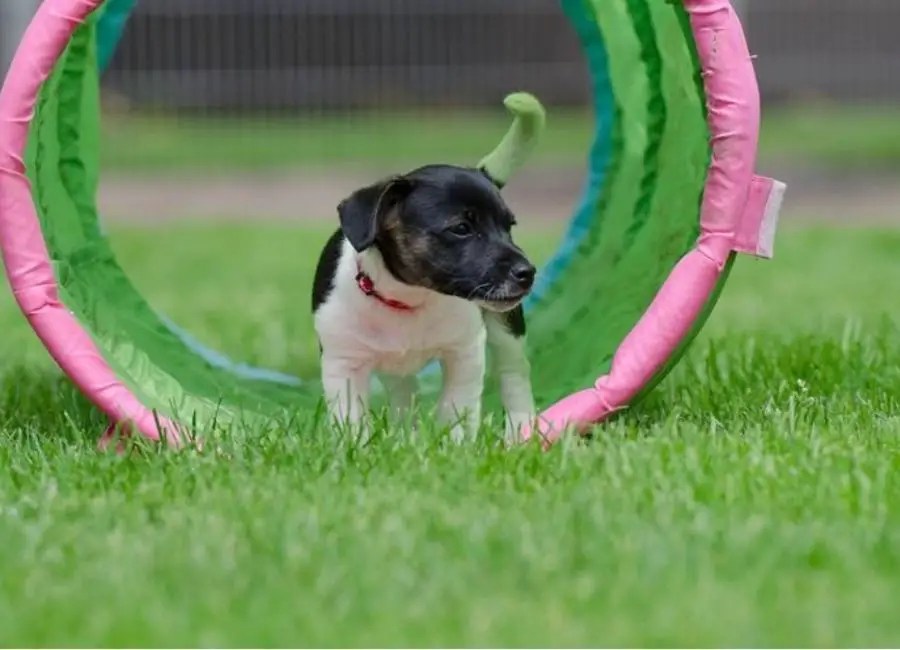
[515, 423]
[458, 434]
[354, 433]
[465, 430]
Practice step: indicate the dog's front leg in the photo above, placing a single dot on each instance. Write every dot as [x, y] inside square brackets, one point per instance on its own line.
[460, 404]
[346, 384]
[517, 397]
[509, 357]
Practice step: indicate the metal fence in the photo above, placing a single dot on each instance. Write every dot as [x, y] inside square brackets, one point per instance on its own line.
[847, 50]
[318, 55]
[14, 15]
[325, 54]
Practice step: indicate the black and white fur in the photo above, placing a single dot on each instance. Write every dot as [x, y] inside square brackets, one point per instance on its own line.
[438, 239]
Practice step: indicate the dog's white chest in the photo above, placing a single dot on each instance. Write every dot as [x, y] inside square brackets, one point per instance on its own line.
[404, 362]
[399, 343]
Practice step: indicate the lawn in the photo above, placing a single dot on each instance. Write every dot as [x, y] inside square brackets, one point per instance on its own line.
[753, 500]
[829, 136]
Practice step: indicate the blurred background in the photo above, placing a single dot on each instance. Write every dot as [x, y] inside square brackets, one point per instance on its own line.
[276, 109]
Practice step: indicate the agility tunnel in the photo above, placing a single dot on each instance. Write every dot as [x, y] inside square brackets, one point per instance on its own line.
[670, 199]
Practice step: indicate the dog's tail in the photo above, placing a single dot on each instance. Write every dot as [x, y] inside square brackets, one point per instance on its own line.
[529, 120]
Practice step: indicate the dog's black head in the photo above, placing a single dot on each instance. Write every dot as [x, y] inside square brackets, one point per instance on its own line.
[443, 228]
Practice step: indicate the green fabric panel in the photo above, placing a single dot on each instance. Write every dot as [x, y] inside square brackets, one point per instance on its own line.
[647, 217]
[568, 346]
[656, 119]
[154, 363]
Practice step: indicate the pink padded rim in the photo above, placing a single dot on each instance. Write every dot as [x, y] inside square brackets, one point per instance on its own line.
[731, 220]
[25, 253]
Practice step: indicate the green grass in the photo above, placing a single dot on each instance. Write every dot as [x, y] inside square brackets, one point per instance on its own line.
[224, 144]
[831, 136]
[753, 500]
[840, 137]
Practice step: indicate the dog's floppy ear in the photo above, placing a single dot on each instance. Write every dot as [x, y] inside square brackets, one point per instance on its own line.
[363, 212]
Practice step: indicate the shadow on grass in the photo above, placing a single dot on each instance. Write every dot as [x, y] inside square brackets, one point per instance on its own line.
[44, 403]
[819, 380]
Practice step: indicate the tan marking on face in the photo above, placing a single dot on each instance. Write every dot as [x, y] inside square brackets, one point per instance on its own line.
[391, 222]
[411, 248]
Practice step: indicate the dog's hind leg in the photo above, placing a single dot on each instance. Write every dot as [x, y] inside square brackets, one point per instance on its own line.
[401, 391]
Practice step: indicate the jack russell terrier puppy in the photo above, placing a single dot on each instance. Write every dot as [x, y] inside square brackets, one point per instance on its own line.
[422, 268]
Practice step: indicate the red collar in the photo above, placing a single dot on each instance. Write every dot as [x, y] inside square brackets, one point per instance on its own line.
[367, 286]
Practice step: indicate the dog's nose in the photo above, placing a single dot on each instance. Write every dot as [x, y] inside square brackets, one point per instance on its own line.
[523, 274]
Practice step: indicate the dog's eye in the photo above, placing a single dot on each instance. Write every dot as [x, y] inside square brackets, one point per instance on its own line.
[461, 229]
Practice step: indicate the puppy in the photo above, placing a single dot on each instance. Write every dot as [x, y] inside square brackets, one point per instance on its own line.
[424, 267]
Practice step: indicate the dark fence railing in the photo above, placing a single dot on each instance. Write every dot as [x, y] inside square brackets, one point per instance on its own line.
[325, 54]
[319, 55]
[847, 50]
